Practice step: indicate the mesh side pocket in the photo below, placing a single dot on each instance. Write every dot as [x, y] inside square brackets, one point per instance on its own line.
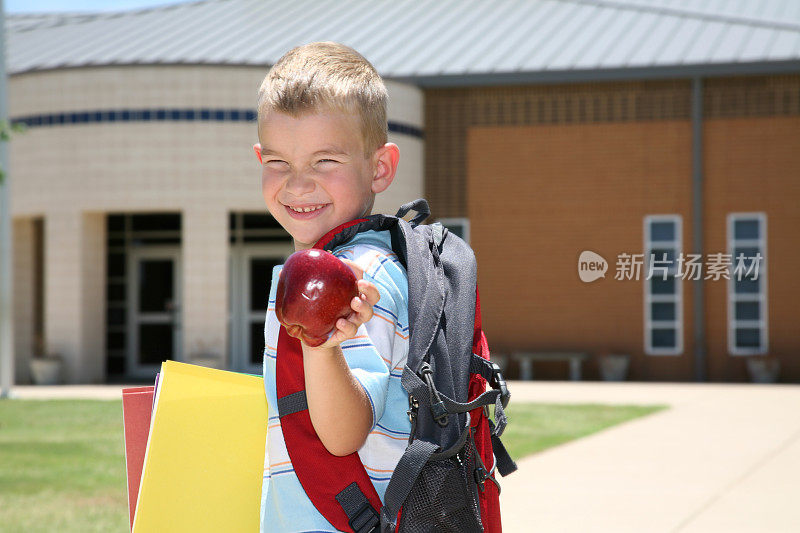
[444, 498]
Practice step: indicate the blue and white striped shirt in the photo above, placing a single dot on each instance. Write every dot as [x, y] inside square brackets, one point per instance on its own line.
[376, 357]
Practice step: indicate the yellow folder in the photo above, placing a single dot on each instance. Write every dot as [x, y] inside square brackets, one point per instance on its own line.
[205, 453]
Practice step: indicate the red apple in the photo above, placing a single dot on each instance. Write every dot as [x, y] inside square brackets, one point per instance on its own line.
[315, 289]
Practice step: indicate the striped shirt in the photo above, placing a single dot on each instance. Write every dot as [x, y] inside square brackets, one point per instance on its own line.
[376, 357]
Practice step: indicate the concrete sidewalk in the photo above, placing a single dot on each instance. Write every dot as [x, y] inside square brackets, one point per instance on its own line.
[69, 392]
[722, 458]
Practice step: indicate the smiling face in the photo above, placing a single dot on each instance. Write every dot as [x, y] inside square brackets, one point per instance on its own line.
[315, 175]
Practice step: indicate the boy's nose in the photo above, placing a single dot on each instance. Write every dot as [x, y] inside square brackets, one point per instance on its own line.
[299, 183]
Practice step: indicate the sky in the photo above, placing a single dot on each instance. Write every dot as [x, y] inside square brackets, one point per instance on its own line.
[40, 6]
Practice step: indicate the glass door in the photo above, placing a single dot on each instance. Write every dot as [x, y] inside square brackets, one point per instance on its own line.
[251, 272]
[154, 309]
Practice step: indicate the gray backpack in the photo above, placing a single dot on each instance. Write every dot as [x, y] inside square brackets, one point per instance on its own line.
[445, 480]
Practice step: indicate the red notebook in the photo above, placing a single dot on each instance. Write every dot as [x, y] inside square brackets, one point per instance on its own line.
[137, 406]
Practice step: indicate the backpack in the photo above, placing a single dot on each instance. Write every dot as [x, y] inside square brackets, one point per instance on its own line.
[445, 480]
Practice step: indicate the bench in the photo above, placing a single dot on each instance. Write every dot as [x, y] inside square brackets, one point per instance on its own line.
[526, 360]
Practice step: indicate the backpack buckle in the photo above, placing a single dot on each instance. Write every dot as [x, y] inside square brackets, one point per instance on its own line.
[438, 409]
[413, 407]
[481, 476]
[361, 516]
[498, 382]
[365, 519]
[440, 413]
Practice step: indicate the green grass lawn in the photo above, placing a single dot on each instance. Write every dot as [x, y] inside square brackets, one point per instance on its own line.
[62, 466]
[62, 461]
[534, 427]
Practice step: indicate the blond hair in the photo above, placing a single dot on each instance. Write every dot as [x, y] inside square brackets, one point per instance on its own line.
[327, 76]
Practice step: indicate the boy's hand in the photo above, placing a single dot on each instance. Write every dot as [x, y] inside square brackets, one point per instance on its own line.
[361, 307]
[331, 388]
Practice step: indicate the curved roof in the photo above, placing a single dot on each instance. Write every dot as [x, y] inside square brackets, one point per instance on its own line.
[432, 42]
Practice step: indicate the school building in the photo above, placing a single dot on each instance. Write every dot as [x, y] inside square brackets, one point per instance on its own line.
[663, 139]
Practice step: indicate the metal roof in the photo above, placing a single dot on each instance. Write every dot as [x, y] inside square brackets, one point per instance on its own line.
[432, 42]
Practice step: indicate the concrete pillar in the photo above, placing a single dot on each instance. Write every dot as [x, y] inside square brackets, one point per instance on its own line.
[23, 280]
[406, 108]
[74, 285]
[93, 295]
[204, 309]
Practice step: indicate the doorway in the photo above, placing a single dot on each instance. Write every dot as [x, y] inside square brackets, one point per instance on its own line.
[251, 271]
[154, 304]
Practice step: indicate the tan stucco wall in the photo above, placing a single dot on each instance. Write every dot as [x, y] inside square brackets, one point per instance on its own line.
[73, 174]
[119, 165]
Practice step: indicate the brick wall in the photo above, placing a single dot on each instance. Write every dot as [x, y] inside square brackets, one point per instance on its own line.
[544, 172]
[450, 113]
[538, 196]
[753, 164]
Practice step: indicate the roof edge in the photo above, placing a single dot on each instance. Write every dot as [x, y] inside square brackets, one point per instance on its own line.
[702, 70]
[699, 70]
[674, 11]
[13, 72]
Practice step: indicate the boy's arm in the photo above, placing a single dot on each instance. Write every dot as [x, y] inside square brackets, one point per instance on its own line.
[339, 408]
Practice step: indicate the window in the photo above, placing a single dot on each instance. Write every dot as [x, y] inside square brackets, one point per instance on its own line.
[663, 292]
[459, 226]
[255, 227]
[747, 284]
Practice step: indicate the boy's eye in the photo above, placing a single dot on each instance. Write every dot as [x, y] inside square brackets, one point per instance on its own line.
[276, 163]
[327, 161]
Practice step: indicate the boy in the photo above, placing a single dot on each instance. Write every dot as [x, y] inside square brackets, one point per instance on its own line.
[324, 153]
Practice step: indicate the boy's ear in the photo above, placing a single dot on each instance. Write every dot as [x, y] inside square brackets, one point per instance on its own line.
[257, 148]
[387, 159]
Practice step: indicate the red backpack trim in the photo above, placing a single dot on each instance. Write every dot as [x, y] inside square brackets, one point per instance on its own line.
[489, 497]
[325, 239]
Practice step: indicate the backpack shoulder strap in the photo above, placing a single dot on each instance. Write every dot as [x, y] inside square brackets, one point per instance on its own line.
[345, 232]
[349, 502]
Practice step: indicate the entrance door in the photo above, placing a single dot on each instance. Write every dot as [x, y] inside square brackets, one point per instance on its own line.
[251, 272]
[154, 299]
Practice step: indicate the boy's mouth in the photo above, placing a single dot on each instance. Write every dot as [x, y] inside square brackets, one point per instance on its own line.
[305, 211]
